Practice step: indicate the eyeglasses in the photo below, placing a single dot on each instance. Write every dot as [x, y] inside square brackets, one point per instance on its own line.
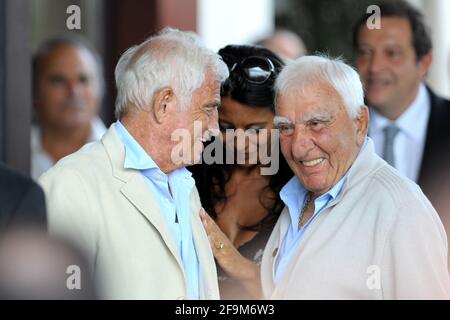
[255, 69]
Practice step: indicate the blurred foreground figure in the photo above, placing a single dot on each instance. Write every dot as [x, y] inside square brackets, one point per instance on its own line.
[68, 87]
[34, 266]
[21, 200]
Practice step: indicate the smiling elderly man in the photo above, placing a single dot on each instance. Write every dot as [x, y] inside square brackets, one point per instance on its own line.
[124, 199]
[353, 228]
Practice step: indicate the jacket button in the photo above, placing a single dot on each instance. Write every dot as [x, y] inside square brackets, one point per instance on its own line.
[274, 254]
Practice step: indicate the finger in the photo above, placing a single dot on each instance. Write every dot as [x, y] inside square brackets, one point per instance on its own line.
[203, 218]
[213, 245]
[205, 214]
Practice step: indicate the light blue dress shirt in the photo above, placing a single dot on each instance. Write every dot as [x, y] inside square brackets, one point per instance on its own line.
[172, 192]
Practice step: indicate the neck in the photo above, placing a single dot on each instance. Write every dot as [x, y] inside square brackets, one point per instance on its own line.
[397, 108]
[60, 142]
[146, 132]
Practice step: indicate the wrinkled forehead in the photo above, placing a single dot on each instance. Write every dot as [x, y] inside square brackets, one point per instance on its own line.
[312, 98]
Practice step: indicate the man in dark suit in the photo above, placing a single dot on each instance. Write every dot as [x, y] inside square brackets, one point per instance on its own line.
[22, 201]
[409, 123]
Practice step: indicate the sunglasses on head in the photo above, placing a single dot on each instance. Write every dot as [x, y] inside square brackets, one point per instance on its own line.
[255, 69]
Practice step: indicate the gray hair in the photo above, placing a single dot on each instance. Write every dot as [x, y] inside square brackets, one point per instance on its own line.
[74, 41]
[170, 58]
[321, 69]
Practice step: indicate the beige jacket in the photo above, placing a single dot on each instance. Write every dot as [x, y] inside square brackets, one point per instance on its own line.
[110, 212]
[379, 239]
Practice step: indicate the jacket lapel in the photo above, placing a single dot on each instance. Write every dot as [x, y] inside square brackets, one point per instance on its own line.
[437, 136]
[283, 229]
[207, 273]
[136, 190]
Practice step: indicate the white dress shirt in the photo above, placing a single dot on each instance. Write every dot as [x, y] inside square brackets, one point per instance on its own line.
[409, 143]
[41, 161]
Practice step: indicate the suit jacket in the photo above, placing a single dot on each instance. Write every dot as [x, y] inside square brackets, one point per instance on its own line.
[21, 199]
[437, 141]
[112, 215]
[434, 177]
[380, 238]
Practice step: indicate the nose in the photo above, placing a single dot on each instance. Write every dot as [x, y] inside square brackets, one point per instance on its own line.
[302, 142]
[376, 62]
[74, 88]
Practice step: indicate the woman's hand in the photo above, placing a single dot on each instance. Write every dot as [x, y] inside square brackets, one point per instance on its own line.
[229, 258]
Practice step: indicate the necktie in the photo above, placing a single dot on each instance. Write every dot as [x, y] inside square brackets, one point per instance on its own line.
[389, 135]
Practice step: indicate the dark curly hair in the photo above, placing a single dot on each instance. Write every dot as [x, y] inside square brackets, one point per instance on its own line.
[211, 179]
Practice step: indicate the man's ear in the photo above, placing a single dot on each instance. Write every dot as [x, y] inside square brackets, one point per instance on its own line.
[425, 63]
[362, 124]
[163, 102]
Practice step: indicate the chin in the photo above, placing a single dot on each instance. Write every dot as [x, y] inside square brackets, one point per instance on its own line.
[317, 187]
[377, 99]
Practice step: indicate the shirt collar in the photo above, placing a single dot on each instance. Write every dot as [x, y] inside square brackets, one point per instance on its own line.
[135, 156]
[295, 190]
[294, 187]
[412, 122]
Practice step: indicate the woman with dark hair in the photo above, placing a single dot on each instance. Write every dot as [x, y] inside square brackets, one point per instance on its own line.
[243, 203]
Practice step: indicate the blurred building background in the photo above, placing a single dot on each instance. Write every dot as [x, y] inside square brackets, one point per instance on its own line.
[114, 25]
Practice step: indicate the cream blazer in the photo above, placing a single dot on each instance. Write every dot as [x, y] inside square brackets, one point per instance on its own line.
[111, 214]
[379, 239]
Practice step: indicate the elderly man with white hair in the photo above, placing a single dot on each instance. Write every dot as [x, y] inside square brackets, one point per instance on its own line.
[127, 200]
[352, 228]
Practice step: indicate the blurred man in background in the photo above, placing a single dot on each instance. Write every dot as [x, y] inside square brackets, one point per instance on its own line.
[409, 123]
[287, 44]
[68, 86]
